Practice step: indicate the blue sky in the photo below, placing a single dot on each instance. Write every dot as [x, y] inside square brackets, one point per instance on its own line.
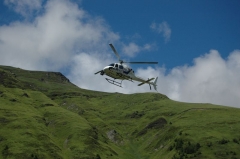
[196, 26]
[197, 43]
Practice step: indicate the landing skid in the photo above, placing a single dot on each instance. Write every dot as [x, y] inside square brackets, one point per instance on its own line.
[114, 82]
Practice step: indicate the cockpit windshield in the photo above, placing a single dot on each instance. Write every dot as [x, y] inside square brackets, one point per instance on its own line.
[112, 64]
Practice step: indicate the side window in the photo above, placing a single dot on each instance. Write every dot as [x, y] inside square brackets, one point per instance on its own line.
[116, 65]
[120, 66]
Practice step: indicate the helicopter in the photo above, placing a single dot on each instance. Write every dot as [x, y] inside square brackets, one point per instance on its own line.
[122, 72]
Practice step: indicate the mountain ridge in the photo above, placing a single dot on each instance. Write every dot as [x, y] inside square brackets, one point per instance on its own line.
[44, 115]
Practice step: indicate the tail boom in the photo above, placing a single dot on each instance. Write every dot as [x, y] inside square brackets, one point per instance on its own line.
[154, 83]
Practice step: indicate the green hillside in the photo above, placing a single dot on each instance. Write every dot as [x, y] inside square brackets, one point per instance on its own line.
[43, 115]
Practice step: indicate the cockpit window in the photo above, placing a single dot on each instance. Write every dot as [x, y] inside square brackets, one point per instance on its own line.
[120, 66]
[112, 64]
[116, 65]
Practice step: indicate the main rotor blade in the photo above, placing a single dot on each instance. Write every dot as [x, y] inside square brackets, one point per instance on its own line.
[142, 62]
[115, 51]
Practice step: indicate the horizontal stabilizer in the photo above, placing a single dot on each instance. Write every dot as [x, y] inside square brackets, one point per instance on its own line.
[145, 81]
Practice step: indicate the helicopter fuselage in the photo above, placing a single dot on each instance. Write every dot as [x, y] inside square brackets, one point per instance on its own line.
[118, 71]
[122, 72]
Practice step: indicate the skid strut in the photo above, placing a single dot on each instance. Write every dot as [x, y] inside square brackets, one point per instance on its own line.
[114, 82]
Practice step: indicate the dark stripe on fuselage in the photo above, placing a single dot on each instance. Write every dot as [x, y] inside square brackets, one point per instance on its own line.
[117, 75]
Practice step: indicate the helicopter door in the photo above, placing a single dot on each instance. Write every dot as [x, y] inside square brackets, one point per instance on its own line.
[120, 68]
[116, 66]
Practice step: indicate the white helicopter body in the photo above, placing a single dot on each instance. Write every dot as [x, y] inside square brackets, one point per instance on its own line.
[122, 72]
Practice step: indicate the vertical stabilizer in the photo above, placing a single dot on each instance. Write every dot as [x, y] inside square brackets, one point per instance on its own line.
[155, 83]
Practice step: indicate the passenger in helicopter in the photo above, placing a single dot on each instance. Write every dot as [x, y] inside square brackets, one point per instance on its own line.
[116, 66]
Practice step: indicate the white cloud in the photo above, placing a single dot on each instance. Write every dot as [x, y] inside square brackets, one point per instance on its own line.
[162, 28]
[211, 79]
[24, 7]
[53, 38]
[132, 49]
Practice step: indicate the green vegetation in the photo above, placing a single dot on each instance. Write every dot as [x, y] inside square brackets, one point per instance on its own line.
[43, 115]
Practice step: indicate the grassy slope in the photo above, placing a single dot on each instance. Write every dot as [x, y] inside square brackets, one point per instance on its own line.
[43, 115]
